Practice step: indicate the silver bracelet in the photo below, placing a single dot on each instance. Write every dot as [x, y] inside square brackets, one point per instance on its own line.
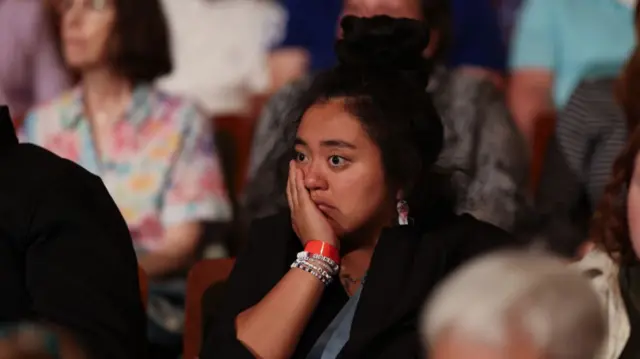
[317, 268]
[305, 267]
[333, 267]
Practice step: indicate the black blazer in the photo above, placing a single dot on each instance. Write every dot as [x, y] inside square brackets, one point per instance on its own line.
[406, 265]
[66, 256]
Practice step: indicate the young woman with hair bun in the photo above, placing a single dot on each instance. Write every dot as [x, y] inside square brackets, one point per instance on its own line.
[370, 227]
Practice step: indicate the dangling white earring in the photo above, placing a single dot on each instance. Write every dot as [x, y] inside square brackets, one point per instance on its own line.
[403, 212]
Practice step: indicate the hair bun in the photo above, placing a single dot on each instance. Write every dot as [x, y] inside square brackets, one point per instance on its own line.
[383, 42]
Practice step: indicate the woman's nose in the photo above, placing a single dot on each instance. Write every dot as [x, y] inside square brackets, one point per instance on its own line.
[73, 12]
[314, 179]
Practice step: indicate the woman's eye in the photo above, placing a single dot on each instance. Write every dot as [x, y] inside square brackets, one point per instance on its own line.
[336, 161]
[300, 157]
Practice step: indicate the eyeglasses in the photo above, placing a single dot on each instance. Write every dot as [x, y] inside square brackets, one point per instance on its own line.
[92, 5]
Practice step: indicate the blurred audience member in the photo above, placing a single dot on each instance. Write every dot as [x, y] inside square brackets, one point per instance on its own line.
[555, 47]
[153, 151]
[307, 46]
[66, 257]
[590, 133]
[473, 41]
[220, 51]
[614, 260]
[514, 305]
[482, 146]
[616, 230]
[30, 68]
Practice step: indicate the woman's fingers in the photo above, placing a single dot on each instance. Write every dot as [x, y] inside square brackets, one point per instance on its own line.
[289, 189]
[294, 190]
[289, 196]
[301, 190]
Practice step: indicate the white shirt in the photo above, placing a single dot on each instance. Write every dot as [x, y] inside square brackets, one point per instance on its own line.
[220, 50]
[603, 273]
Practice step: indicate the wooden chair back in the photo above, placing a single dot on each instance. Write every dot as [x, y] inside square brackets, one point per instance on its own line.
[234, 136]
[202, 275]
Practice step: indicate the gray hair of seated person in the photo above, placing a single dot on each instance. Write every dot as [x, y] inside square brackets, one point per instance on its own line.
[552, 303]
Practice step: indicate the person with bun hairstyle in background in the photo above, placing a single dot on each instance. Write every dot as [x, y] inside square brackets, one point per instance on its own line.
[370, 228]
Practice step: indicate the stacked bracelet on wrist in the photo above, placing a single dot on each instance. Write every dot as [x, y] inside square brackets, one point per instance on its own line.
[319, 260]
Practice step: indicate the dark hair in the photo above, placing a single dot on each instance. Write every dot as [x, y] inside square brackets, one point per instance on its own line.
[610, 226]
[382, 76]
[139, 44]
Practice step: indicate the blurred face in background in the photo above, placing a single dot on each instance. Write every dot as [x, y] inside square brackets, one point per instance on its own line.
[395, 8]
[86, 27]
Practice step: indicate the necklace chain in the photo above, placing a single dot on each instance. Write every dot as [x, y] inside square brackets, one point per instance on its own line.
[355, 280]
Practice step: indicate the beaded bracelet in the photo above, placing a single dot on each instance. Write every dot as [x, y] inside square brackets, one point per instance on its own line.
[332, 266]
[305, 267]
[317, 268]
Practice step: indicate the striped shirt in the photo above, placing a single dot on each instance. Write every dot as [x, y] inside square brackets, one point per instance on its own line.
[590, 132]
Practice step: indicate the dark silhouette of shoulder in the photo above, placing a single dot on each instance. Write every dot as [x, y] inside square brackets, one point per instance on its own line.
[66, 255]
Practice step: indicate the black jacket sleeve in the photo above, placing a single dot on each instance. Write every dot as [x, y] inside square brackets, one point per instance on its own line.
[471, 238]
[257, 270]
[81, 269]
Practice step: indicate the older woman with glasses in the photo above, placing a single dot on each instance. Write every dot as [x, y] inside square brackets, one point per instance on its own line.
[154, 152]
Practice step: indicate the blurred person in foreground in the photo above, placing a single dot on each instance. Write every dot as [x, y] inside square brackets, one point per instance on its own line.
[514, 305]
[31, 70]
[370, 227]
[482, 147]
[66, 257]
[153, 151]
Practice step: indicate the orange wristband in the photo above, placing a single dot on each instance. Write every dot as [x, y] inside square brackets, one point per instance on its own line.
[323, 249]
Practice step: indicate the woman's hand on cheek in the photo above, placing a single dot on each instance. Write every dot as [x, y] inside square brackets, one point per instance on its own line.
[307, 220]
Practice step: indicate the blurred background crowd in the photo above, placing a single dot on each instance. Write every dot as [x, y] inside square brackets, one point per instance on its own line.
[179, 107]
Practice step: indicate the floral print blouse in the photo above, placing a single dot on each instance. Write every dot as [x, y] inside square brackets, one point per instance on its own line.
[159, 165]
